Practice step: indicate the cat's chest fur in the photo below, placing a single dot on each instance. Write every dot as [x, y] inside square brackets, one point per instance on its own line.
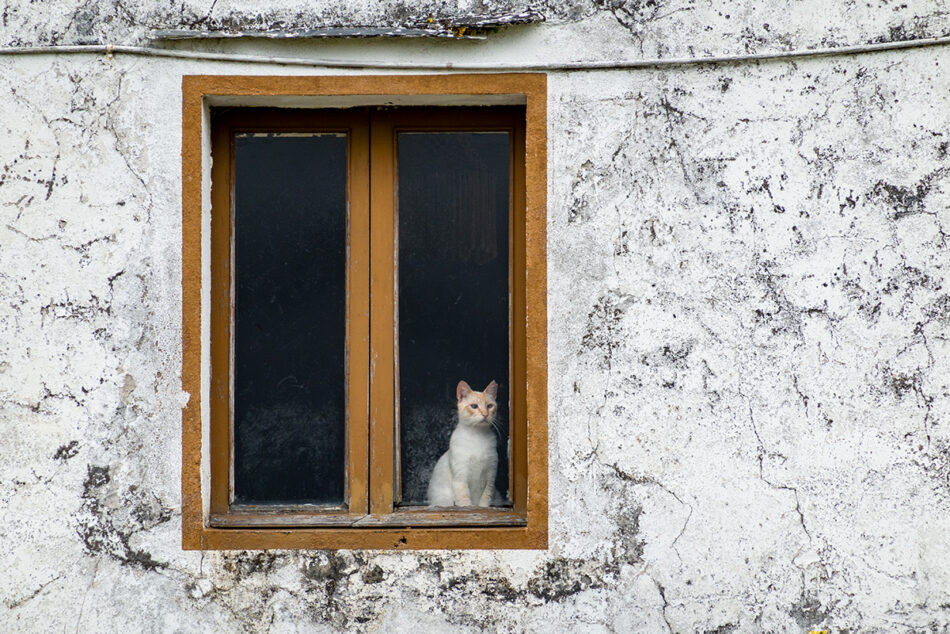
[473, 451]
[465, 474]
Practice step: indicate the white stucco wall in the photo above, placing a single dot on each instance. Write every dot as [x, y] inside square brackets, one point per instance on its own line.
[749, 364]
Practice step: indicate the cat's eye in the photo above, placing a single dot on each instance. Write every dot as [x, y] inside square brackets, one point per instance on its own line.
[358, 255]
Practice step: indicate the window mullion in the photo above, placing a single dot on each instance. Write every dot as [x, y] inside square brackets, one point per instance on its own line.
[358, 308]
[382, 311]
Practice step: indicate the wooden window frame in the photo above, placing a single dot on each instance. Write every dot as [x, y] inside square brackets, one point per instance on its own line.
[209, 521]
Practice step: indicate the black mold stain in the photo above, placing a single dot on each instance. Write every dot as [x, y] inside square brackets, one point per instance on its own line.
[323, 569]
[896, 33]
[92, 22]
[244, 564]
[628, 526]
[97, 22]
[939, 309]
[96, 477]
[373, 575]
[808, 612]
[902, 384]
[908, 279]
[903, 200]
[65, 452]
[632, 14]
[678, 353]
[328, 572]
[580, 210]
[102, 529]
[83, 24]
[500, 588]
[341, 589]
[559, 580]
[433, 565]
[605, 323]
[849, 203]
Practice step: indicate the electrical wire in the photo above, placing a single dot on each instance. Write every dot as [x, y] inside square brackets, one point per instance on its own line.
[111, 50]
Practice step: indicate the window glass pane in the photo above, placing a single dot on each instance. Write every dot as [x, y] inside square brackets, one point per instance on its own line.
[453, 202]
[290, 292]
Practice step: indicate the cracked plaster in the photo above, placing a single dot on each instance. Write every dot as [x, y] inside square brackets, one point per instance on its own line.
[748, 329]
[601, 29]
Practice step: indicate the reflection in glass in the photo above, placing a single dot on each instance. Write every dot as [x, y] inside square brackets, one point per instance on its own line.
[290, 291]
[453, 202]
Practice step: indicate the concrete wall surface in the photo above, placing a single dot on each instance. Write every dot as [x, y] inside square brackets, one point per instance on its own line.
[749, 311]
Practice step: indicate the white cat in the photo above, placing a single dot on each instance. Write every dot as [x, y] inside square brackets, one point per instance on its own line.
[465, 474]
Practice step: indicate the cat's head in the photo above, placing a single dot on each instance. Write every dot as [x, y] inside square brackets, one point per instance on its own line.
[477, 408]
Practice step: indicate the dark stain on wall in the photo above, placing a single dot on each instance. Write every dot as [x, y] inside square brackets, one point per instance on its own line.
[342, 588]
[808, 612]
[110, 518]
[906, 200]
[605, 324]
[67, 451]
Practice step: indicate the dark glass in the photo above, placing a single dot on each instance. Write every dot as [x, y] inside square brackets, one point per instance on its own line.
[290, 318]
[453, 205]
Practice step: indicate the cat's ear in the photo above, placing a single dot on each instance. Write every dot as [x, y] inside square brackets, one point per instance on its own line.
[462, 390]
[492, 390]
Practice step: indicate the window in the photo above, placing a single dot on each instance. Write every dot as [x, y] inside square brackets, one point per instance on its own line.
[364, 250]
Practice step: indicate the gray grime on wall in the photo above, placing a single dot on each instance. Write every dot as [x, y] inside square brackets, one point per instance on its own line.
[748, 333]
[651, 28]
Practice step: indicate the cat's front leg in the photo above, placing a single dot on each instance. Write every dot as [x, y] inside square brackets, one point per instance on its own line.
[485, 500]
[488, 477]
[460, 492]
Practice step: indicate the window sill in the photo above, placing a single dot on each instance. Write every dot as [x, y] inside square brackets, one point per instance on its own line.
[258, 517]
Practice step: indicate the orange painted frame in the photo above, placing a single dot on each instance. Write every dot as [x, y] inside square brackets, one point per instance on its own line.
[197, 92]
[354, 124]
